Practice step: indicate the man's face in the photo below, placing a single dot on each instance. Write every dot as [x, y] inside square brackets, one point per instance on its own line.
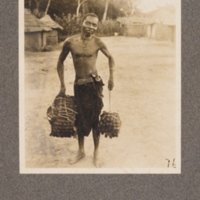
[90, 25]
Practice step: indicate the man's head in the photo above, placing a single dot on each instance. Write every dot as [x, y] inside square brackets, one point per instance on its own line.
[90, 24]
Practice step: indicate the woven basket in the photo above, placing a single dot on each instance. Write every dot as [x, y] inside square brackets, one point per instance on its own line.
[109, 124]
[61, 116]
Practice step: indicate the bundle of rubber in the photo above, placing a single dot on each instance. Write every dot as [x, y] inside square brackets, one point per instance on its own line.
[61, 116]
[109, 124]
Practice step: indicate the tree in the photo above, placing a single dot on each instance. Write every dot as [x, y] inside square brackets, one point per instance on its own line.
[85, 8]
[133, 5]
[79, 5]
[27, 4]
[47, 8]
[105, 10]
[37, 12]
[37, 7]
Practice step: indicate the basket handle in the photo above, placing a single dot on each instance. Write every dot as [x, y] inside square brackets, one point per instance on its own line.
[109, 100]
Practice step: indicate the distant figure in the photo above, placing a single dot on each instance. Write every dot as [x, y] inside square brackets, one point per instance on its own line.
[88, 85]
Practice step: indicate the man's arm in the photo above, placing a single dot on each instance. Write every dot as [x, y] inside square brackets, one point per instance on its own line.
[60, 66]
[111, 63]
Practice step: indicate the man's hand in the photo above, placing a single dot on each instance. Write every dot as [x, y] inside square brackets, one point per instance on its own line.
[110, 84]
[62, 91]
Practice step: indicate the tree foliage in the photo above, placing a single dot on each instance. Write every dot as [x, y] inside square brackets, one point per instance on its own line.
[114, 8]
[68, 13]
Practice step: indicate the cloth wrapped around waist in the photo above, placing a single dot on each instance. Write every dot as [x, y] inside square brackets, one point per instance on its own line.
[82, 81]
[88, 97]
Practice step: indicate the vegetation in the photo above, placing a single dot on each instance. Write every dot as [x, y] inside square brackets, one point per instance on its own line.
[68, 13]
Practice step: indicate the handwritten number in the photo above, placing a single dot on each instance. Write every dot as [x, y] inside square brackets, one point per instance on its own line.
[168, 162]
[173, 163]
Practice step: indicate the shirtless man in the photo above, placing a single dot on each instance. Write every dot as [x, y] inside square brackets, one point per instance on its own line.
[88, 85]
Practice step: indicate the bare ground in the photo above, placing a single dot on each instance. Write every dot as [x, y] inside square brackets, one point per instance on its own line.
[144, 95]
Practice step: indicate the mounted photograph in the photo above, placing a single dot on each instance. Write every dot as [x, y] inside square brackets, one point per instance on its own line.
[100, 86]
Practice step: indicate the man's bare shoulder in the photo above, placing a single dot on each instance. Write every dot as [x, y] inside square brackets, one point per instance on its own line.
[99, 41]
[71, 39]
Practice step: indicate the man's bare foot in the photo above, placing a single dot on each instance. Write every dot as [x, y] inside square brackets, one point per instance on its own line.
[78, 157]
[97, 162]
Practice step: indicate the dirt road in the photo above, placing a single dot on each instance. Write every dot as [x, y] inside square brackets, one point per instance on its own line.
[144, 95]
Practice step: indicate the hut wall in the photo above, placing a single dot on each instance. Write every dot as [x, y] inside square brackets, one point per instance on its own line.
[137, 30]
[149, 28]
[163, 32]
[44, 40]
[33, 41]
[154, 31]
[50, 38]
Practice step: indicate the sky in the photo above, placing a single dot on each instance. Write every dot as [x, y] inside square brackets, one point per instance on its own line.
[149, 5]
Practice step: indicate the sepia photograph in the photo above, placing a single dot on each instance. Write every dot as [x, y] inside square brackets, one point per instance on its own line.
[100, 86]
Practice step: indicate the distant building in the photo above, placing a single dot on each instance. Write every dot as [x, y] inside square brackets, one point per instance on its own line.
[39, 33]
[51, 37]
[134, 26]
[161, 24]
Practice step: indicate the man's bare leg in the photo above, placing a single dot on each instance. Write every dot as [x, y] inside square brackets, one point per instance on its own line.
[81, 151]
[96, 137]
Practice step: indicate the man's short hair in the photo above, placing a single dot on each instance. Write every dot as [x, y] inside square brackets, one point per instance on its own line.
[89, 14]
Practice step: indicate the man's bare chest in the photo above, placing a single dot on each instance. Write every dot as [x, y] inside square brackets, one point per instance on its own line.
[84, 48]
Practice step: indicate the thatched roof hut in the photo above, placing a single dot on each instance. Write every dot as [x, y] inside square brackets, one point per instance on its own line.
[164, 15]
[131, 20]
[161, 24]
[40, 33]
[50, 23]
[32, 23]
[50, 38]
[133, 25]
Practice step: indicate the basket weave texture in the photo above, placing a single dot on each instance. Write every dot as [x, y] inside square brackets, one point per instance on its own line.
[62, 116]
[109, 124]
